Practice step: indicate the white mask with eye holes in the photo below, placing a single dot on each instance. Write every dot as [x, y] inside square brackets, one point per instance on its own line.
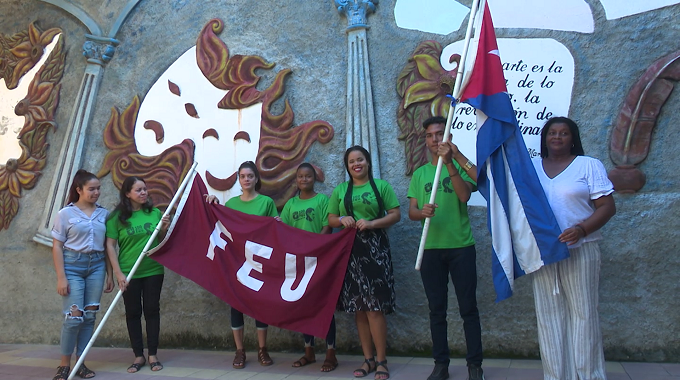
[182, 104]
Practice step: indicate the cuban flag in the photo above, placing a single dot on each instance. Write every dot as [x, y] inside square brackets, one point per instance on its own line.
[523, 227]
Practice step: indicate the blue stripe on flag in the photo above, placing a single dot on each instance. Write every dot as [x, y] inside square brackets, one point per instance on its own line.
[523, 228]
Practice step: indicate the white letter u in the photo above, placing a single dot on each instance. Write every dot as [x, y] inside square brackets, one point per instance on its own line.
[287, 292]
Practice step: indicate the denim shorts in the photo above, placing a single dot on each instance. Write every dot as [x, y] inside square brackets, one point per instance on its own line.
[86, 273]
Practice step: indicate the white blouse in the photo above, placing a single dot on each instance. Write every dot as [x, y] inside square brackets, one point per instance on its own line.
[571, 193]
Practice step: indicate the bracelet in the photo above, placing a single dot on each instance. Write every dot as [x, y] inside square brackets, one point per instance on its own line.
[582, 229]
[340, 219]
[468, 165]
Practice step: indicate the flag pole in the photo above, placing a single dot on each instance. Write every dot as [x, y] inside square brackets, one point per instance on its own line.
[180, 190]
[447, 130]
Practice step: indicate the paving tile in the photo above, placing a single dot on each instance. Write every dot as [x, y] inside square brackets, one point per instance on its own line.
[237, 375]
[613, 367]
[33, 362]
[672, 368]
[526, 364]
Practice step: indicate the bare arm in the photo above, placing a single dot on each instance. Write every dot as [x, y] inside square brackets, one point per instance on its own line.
[58, 258]
[113, 259]
[414, 213]
[462, 188]
[326, 230]
[605, 209]
[392, 217]
[337, 221]
[470, 169]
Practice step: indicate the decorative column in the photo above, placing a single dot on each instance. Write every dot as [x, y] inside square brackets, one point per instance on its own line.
[98, 51]
[360, 126]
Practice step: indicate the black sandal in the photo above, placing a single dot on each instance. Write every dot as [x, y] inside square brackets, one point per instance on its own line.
[62, 372]
[137, 366]
[381, 373]
[156, 366]
[85, 373]
[360, 372]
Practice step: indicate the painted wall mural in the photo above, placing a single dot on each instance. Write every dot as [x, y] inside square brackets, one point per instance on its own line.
[540, 86]
[575, 15]
[632, 134]
[206, 107]
[31, 67]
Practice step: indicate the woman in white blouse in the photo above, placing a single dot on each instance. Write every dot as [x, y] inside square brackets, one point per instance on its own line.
[82, 268]
[566, 293]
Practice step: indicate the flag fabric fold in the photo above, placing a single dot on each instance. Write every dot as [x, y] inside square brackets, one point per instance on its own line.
[523, 228]
[280, 275]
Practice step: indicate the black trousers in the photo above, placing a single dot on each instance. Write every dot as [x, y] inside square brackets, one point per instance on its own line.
[461, 265]
[143, 296]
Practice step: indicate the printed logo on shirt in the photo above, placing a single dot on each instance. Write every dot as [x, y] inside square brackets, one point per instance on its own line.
[447, 186]
[147, 229]
[304, 214]
[366, 198]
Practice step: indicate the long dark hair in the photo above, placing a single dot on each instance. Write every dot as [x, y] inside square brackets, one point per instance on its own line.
[305, 165]
[251, 165]
[124, 206]
[350, 184]
[576, 148]
[79, 180]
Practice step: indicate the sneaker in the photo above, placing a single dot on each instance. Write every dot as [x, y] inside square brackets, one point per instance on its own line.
[440, 372]
[475, 372]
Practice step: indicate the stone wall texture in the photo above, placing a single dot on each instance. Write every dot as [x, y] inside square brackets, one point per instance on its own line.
[639, 303]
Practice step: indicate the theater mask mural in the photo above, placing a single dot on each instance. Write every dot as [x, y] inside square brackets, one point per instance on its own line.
[31, 68]
[206, 107]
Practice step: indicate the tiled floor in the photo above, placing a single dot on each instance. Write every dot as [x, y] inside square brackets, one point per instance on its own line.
[24, 362]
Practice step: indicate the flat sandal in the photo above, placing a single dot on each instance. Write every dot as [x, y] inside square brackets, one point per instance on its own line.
[263, 357]
[360, 372]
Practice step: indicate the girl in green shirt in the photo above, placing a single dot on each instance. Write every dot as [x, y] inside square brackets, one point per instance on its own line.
[371, 206]
[308, 211]
[253, 203]
[129, 227]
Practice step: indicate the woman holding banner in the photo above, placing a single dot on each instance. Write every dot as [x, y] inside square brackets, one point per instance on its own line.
[371, 206]
[253, 203]
[308, 211]
[129, 227]
[566, 292]
[81, 266]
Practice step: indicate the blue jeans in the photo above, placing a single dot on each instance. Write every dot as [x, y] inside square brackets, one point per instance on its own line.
[461, 265]
[86, 273]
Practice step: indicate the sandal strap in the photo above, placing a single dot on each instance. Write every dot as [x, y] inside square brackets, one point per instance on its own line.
[85, 372]
[263, 356]
[62, 373]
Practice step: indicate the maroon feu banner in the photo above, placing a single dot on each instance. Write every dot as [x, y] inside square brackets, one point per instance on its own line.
[275, 273]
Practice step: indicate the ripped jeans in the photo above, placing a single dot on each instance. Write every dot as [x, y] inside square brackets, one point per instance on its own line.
[86, 273]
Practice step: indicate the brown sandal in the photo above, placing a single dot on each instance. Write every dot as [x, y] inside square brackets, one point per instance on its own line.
[309, 358]
[263, 357]
[239, 359]
[331, 362]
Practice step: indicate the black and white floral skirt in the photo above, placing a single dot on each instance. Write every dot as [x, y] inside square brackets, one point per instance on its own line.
[369, 280]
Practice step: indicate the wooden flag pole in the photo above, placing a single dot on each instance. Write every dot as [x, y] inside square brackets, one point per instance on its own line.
[182, 186]
[447, 130]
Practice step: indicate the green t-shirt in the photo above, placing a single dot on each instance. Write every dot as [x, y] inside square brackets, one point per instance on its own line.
[450, 226]
[132, 239]
[306, 214]
[261, 205]
[363, 200]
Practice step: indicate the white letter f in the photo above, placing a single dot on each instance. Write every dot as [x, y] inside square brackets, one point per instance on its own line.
[216, 239]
